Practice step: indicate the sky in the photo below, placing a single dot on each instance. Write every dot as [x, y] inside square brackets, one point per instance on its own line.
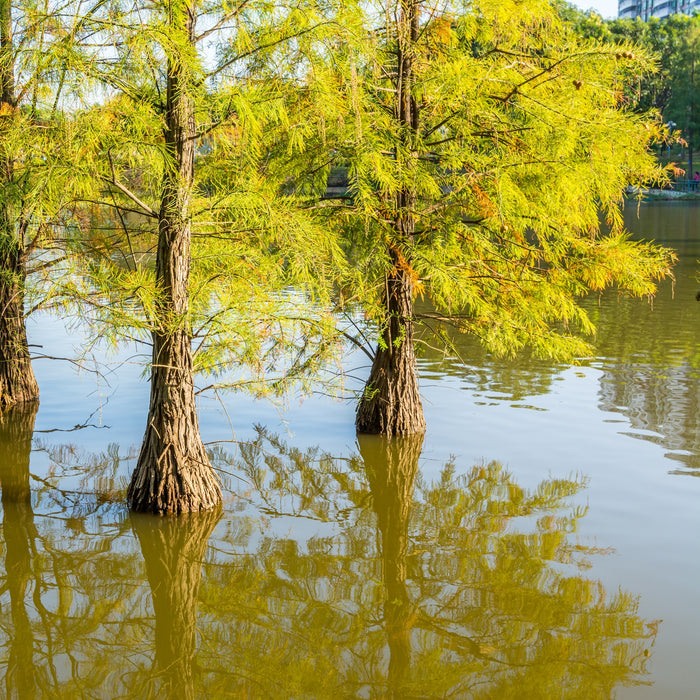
[606, 8]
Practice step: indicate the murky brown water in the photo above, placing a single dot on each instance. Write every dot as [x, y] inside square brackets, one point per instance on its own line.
[541, 541]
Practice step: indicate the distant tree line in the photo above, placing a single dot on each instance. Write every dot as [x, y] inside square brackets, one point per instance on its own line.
[673, 85]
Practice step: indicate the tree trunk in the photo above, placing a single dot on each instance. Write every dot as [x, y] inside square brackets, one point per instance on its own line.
[173, 474]
[391, 468]
[17, 381]
[16, 429]
[174, 551]
[390, 404]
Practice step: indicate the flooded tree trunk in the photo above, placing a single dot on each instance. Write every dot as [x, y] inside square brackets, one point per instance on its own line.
[173, 474]
[16, 429]
[174, 551]
[17, 381]
[391, 468]
[390, 404]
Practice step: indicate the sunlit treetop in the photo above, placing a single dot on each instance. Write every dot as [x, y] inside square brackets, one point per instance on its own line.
[261, 268]
[521, 147]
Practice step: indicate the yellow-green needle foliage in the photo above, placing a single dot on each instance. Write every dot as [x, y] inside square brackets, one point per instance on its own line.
[34, 187]
[488, 150]
[192, 241]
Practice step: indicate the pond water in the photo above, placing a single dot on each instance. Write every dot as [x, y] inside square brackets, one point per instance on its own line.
[542, 540]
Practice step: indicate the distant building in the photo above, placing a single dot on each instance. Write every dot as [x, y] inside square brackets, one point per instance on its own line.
[629, 9]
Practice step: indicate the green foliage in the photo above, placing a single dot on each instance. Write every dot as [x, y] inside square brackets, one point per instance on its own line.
[261, 269]
[672, 86]
[525, 133]
[37, 142]
[524, 137]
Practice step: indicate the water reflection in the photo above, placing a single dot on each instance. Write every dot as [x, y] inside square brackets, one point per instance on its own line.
[650, 354]
[391, 467]
[16, 429]
[327, 577]
[468, 587]
[173, 550]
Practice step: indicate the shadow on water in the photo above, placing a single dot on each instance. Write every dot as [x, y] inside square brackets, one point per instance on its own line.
[327, 577]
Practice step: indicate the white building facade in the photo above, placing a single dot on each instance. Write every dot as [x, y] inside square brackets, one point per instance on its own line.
[629, 9]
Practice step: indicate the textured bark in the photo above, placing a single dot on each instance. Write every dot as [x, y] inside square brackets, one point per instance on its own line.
[391, 467]
[390, 404]
[17, 381]
[16, 429]
[173, 474]
[174, 551]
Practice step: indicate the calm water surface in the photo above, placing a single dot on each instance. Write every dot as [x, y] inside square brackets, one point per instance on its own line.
[541, 541]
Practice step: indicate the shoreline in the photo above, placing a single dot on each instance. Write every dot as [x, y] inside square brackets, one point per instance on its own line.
[656, 194]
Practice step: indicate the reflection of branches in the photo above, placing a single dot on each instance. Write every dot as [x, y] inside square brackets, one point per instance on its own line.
[479, 587]
[42, 547]
[99, 477]
[352, 576]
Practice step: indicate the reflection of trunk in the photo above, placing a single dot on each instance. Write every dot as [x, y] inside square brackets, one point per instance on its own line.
[17, 382]
[16, 428]
[173, 550]
[390, 404]
[391, 468]
[173, 474]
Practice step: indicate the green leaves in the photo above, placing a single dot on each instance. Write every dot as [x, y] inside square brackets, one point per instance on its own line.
[490, 195]
[522, 139]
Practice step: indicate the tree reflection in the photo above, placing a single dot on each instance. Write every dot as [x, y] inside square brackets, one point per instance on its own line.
[474, 588]
[59, 573]
[16, 429]
[391, 468]
[350, 577]
[173, 549]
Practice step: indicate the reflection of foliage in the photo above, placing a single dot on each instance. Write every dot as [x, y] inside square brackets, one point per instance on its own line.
[97, 478]
[490, 602]
[62, 560]
[651, 357]
[349, 577]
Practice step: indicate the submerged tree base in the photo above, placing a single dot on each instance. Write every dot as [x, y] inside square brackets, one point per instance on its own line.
[166, 482]
[14, 392]
[173, 474]
[390, 404]
[18, 384]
